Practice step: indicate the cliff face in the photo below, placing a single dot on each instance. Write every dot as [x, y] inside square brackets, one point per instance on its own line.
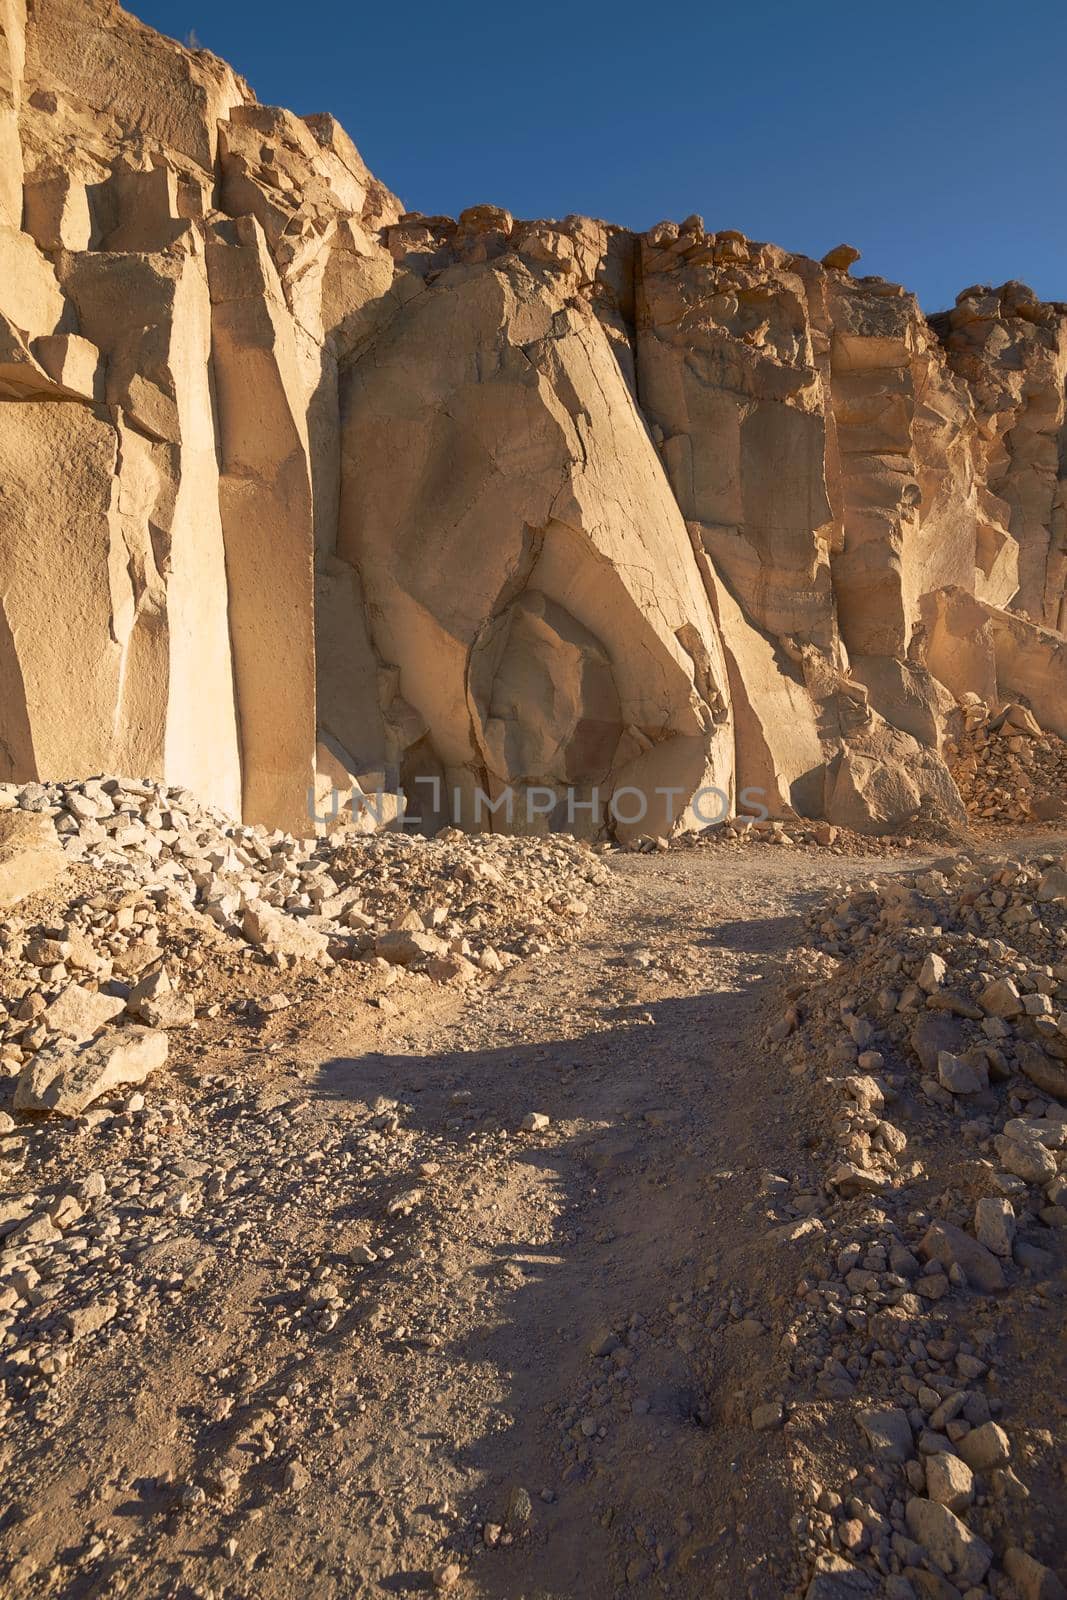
[295, 486]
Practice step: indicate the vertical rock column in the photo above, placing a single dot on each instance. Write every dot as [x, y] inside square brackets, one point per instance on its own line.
[12, 62]
[725, 376]
[267, 518]
[1011, 352]
[174, 710]
[59, 658]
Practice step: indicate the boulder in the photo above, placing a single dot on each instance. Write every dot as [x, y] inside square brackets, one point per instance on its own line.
[281, 934]
[949, 1543]
[31, 858]
[888, 1433]
[985, 1447]
[65, 1078]
[949, 1481]
[1031, 1579]
[79, 1012]
[404, 946]
[950, 1246]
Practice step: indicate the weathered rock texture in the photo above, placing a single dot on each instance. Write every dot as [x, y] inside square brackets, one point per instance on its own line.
[523, 515]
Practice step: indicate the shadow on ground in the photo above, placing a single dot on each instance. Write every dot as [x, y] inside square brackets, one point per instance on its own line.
[622, 1219]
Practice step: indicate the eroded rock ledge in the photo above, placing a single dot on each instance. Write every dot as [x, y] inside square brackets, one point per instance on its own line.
[300, 488]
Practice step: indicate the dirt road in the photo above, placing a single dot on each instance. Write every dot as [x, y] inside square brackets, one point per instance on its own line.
[400, 1343]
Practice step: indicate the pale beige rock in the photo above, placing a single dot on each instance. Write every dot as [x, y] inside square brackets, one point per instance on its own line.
[954, 1549]
[131, 76]
[581, 650]
[1011, 352]
[31, 859]
[177, 718]
[985, 1447]
[275, 931]
[1030, 1578]
[779, 751]
[58, 463]
[29, 293]
[56, 209]
[266, 504]
[79, 1013]
[66, 1079]
[403, 946]
[994, 1224]
[12, 65]
[72, 362]
[151, 987]
[521, 517]
[949, 1481]
[950, 1246]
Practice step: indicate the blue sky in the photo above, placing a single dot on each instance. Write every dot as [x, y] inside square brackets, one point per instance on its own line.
[931, 136]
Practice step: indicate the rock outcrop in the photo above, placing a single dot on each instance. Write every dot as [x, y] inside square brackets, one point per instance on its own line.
[534, 524]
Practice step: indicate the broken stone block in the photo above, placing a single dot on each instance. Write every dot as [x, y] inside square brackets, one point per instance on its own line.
[1053, 885]
[994, 1225]
[1026, 1158]
[950, 1246]
[31, 857]
[949, 1481]
[280, 934]
[959, 1076]
[985, 1447]
[1031, 1579]
[888, 1432]
[451, 969]
[151, 987]
[950, 1544]
[168, 1011]
[79, 1013]
[1001, 999]
[66, 1079]
[841, 257]
[403, 946]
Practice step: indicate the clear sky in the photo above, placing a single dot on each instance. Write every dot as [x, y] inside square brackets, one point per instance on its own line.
[932, 136]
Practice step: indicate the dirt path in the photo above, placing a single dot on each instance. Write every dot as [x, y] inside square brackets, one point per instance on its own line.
[545, 1369]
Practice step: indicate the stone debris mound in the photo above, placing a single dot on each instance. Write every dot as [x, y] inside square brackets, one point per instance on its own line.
[1007, 769]
[929, 1019]
[151, 885]
[798, 833]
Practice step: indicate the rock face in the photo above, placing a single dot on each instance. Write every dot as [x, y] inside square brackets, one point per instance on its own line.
[544, 524]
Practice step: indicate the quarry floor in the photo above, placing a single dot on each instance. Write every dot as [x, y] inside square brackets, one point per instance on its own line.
[442, 1422]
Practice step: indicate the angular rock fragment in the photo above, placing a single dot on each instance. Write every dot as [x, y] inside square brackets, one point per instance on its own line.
[30, 855]
[66, 1079]
[79, 1012]
[889, 1433]
[952, 1247]
[280, 934]
[950, 1544]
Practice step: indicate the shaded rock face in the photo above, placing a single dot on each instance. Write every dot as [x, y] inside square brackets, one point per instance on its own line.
[301, 490]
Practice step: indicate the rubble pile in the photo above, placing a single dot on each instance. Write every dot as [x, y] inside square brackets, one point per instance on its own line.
[795, 833]
[1008, 770]
[156, 884]
[933, 1023]
[801, 833]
